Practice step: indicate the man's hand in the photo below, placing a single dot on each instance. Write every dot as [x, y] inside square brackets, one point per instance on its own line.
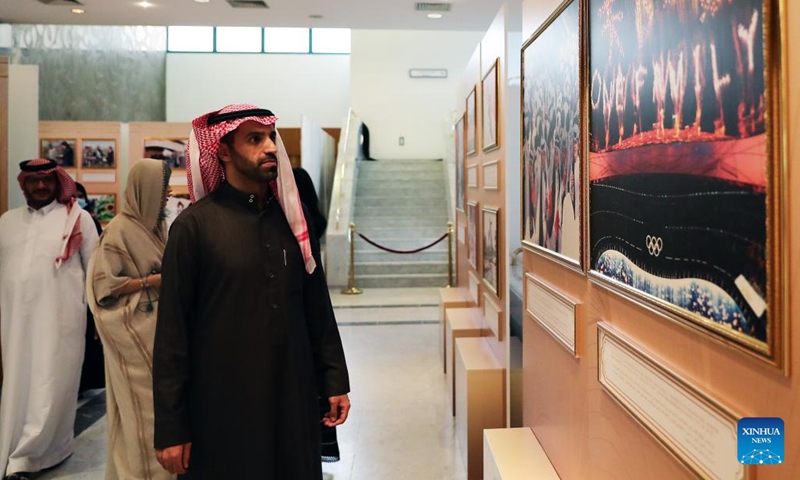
[340, 407]
[175, 459]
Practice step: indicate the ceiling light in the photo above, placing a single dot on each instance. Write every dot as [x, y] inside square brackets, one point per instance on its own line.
[202, 1]
[434, 15]
[78, 11]
[145, 4]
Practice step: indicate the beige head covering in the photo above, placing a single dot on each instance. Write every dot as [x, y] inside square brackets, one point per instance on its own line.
[145, 195]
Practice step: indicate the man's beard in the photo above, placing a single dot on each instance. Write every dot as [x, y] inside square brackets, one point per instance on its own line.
[257, 173]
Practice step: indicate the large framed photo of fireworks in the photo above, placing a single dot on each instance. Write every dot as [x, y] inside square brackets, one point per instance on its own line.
[552, 167]
[687, 195]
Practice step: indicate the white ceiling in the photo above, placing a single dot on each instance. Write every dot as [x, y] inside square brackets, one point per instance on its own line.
[474, 15]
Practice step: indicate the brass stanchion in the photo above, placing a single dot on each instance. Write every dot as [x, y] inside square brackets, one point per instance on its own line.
[351, 282]
[450, 282]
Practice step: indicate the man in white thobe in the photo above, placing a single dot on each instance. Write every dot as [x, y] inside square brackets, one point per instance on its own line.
[44, 251]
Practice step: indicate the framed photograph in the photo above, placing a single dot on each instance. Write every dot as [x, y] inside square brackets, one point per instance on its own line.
[472, 233]
[552, 172]
[489, 88]
[687, 178]
[170, 150]
[460, 165]
[175, 206]
[98, 153]
[472, 124]
[104, 205]
[61, 151]
[491, 249]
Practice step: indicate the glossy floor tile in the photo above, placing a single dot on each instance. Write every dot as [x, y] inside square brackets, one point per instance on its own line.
[400, 426]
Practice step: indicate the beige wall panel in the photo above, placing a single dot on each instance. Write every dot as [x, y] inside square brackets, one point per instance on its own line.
[584, 432]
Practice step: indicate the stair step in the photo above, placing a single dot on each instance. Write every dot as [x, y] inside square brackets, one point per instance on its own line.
[400, 176]
[374, 255]
[402, 167]
[373, 201]
[364, 211]
[403, 232]
[395, 268]
[425, 183]
[401, 281]
[365, 222]
[368, 190]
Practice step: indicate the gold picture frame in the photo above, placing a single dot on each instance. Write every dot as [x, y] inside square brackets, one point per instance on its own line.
[561, 242]
[472, 122]
[490, 111]
[659, 426]
[745, 331]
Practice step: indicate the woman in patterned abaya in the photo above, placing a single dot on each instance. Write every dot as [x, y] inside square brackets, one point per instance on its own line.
[122, 292]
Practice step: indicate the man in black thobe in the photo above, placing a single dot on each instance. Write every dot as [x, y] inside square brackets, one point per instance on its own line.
[246, 339]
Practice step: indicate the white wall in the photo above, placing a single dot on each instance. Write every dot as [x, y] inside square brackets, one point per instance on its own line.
[23, 124]
[289, 85]
[393, 105]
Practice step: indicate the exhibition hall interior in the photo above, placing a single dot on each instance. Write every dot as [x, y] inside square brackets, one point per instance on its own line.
[561, 234]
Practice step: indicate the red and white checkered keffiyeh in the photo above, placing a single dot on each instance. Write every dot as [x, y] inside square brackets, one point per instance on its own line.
[66, 191]
[205, 173]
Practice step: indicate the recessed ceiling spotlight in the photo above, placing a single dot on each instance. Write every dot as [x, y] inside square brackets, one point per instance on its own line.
[202, 1]
[78, 11]
[145, 4]
[315, 16]
[434, 15]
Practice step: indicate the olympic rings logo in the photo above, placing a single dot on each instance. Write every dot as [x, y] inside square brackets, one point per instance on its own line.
[654, 245]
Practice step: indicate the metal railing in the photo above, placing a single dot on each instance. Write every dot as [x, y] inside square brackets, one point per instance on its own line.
[351, 282]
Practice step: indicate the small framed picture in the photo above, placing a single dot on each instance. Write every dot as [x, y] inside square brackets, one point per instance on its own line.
[472, 123]
[472, 233]
[176, 203]
[98, 153]
[170, 150]
[490, 110]
[61, 151]
[491, 246]
[104, 206]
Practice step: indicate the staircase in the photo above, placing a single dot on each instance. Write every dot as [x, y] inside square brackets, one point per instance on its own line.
[401, 204]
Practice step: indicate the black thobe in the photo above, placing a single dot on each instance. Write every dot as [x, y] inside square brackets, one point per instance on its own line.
[245, 343]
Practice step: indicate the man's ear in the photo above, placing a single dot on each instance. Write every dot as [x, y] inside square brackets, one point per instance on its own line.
[224, 152]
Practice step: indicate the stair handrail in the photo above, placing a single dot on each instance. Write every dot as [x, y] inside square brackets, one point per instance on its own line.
[342, 205]
[344, 183]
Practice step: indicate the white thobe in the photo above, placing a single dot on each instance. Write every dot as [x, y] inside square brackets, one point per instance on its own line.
[42, 329]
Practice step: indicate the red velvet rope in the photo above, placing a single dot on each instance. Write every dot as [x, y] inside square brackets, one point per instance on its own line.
[403, 252]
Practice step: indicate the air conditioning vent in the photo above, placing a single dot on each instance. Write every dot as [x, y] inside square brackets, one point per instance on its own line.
[68, 3]
[247, 4]
[433, 7]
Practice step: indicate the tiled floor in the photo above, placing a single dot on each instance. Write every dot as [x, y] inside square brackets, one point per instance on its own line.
[400, 426]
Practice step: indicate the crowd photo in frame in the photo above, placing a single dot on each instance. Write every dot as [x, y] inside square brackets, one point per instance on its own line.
[686, 176]
[489, 101]
[552, 170]
[491, 246]
[98, 153]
